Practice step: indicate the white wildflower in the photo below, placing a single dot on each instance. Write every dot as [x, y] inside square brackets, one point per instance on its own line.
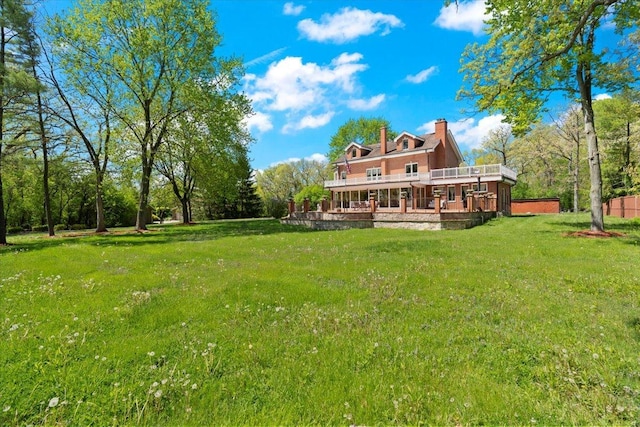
[53, 402]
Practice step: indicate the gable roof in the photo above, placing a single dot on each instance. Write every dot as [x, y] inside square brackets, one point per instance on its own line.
[427, 142]
[355, 144]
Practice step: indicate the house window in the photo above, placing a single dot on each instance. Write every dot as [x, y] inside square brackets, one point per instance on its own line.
[343, 174]
[353, 153]
[411, 169]
[374, 174]
[483, 187]
[405, 144]
[451, 194]
[465, 190]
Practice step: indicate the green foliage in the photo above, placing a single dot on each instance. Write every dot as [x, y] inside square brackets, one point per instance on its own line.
[266, 321]
[540, 47]
[315, 193]
[277, 184]
[274, 208]
[150, 52]
[618, 124]
[363, 130]
[120, 206]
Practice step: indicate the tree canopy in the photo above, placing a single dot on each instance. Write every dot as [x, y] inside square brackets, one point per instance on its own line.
[540, 47]
[362, 130]
[152, 49]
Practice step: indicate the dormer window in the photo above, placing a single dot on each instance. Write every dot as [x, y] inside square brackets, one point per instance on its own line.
[353, 153]
[405, 144]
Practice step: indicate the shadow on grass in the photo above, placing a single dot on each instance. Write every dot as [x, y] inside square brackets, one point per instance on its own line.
[620, 227]
[159, 234]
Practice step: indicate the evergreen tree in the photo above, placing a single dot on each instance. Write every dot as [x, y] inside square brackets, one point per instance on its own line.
[248, 203]
[15, 82]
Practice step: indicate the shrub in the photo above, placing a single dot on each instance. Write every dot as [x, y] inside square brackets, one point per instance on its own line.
[14, 230]
[77, 227]
[40, 228]
[59, 227]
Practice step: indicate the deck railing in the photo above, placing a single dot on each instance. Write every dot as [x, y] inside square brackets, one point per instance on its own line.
[473, 171]
[377, 179]
[429, 178]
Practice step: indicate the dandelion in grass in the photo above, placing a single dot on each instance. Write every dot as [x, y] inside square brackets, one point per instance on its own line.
[53, 402]
[7, 408]
[158, 394]
[596, 356]
[194, 386]
[151, 353]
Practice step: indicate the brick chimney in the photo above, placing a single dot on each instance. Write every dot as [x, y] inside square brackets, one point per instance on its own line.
[441, 134]
[383, 140]
[441, 130]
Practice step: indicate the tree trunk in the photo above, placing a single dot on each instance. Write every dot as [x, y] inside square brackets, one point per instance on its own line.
[595, 194]
[186, 218]
[141, 220]
[584, 78]
[3, 219]
[101, 225]
[576, 178]
[45, 165]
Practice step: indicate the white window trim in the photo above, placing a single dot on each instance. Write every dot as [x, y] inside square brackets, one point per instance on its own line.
[449, 199]
[374, 174]
[412, 173]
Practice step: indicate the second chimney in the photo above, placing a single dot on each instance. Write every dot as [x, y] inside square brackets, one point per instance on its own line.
[383, 140]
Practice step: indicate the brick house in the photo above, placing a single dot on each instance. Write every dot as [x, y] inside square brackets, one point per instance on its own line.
[417, 173]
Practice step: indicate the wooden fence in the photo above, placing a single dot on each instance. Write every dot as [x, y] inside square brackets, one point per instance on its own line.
[623, 207]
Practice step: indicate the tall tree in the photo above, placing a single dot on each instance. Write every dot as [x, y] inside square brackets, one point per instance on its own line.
[209, 135]
[543, 46]
[248, 203]
[87, 111]
[15, 80]
[362, 130]
[152, 49]
[498, 141]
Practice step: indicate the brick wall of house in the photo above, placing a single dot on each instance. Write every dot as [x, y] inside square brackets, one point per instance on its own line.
[535, 206]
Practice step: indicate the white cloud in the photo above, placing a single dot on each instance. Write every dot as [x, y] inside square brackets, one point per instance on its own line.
[366, 104]
[347, 25]
[423, 75]
[463, 16]
[259, 121]
[468, 132]
[291, 9]
[308, 92]
[602, 96]
[309, 122]
[290, 84]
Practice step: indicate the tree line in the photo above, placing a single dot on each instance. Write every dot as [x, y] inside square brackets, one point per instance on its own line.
[115, 106]
[551, 158]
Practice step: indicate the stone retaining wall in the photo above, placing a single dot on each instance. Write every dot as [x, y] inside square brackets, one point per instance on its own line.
[414, 221]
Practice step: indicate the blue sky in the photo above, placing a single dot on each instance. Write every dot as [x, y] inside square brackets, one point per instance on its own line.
[311, 65]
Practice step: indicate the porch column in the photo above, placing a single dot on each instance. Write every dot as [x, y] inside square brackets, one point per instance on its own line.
[372, 204]
[436, 198]
[305, 205]
[469, 202]
[403, 203]
[324, 204]
[292, 206]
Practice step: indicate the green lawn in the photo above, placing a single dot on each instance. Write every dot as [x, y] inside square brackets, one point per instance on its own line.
[258, 323]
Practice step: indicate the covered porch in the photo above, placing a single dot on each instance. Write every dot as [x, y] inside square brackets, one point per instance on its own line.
[465, 189]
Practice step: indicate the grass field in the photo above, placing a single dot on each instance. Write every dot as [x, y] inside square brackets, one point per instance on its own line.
[236, 323]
